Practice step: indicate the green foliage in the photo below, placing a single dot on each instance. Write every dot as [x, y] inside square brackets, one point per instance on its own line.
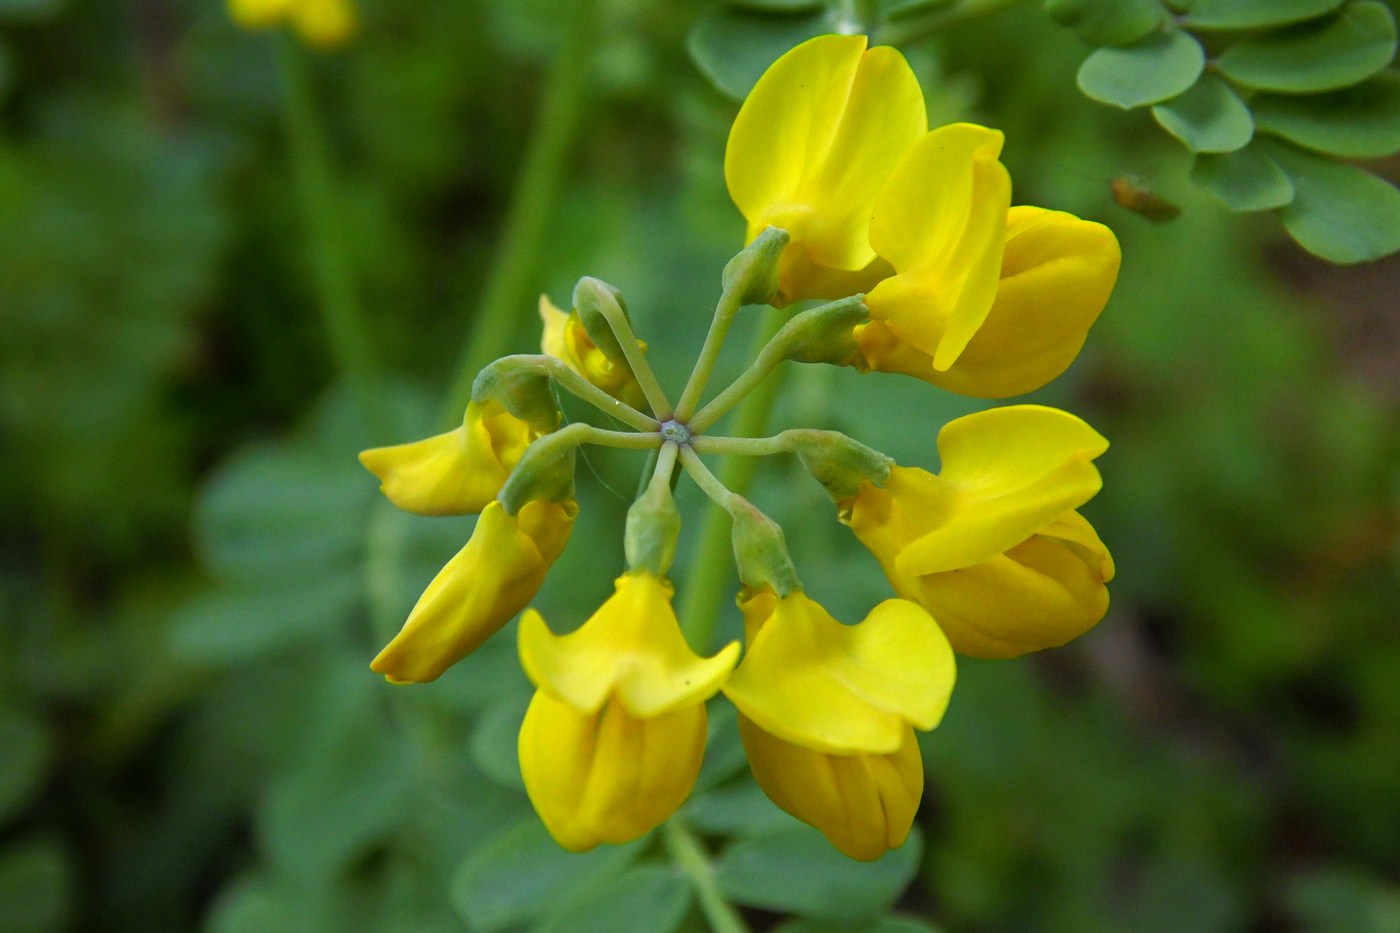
[1153, 69]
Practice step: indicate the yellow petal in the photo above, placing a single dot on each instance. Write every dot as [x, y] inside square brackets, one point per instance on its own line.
[940, 221]
[607, 776]
[455, 473]
[555, 321]
[631, 648]
[1041, 593]
[491, 579]
[566, 339]
[259, 14]
[864, 804]
[816, 138]
[326, 23]
[812, 681]
[1006, 473]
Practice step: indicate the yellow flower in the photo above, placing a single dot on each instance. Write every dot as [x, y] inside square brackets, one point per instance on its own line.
[809, 151]
[491, 579]
[456, 473]
[828, 712]
[992, 546]
[963, 290]
[1056, 275]
[322, 23]
[612, 742]
[566, 339]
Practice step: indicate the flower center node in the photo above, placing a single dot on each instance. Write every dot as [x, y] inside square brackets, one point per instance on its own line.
[676, 433]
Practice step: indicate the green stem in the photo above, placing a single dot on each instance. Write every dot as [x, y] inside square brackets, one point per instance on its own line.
[571, 382]
[507, 290]
[716, 490]
[729, 303]
[743, 446]
[332, 267]
[710, 567]
[694, 862]
[636, 359]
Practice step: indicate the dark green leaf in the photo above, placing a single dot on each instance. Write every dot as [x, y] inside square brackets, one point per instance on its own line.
[238, 623]
[884, 925]
[280, 510]
[1152, 70]
[733, 47]
[24, 749]
[1247, 180]
[1209, 117]
[36, 886]
[516, 877]
[736, 809]
[1318, 56]
[1361, 122]
[1341, 213]
[31, 11]
[1107, 22]
[646, 899]
[1254, 14]
[797, 871]
[724, 751]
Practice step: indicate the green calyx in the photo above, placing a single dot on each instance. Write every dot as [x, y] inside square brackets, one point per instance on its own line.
[520, 385]
[545, 470]
[838, 462]
[752, 275]
[599, 305]
[760, 550]
[653, 521]
[824, 334]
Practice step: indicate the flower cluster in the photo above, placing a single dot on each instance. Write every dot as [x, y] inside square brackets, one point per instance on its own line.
[929, 272]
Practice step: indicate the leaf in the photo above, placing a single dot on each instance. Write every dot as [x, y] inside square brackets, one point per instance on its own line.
[235, 624]
[905, 9]
[36, 886]
[279, 510]
[493, 743]
[1107, 22]
[734, 47]
[1361, 122]
[1247, 180]
[646, 899]
[29, 11]
[1254, 14]
[884, 925]
[1318, 56]
[1341, 213]
[724, 750]
[24, 749]
[514, 878]
[1146, 72]
[778, 6]
[797, 871]
[1209, 117]
[736, 809]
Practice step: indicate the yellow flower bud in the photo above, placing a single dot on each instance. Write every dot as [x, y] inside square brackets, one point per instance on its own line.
[456, 473]
[992, 546]
[613, 740]
[828, 713]
[863, 803]
[481, 589]
[566, 339]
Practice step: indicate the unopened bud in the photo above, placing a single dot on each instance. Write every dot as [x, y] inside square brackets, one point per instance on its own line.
[753, 273]
[598, 304]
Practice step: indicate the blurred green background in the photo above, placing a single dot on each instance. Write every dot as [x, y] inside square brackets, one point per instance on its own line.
[195, 572]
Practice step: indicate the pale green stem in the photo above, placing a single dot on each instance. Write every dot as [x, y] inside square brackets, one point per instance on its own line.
[332, 267]
[694, 862]
[579, 433]
[508, 288]
[710, 567]
[627, 340]
[571, 382]
[716, 490]
[705, 364]
[744, 446]
[665, 462]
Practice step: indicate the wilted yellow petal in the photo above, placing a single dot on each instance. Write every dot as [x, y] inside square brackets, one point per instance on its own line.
[607, 776]
[812, 681]
[940, 221]
[456, 473]
[864, 804]
[631, 649]
[491, 579]
[1006, 473]
[816, 138]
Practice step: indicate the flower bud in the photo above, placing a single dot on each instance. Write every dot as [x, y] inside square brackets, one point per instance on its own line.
[760, 550]
[598, 304]
[753, 273]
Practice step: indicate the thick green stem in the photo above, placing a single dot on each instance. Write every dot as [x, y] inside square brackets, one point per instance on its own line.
[694, 862]
[711, 568]
[508, 289]
[332, 266]
[636, 359]
[719, 494]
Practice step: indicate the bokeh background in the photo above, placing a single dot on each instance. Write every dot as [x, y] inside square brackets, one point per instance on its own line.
[194, 571]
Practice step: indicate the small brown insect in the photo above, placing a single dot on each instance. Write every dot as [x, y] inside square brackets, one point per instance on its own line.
[1138, 198]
